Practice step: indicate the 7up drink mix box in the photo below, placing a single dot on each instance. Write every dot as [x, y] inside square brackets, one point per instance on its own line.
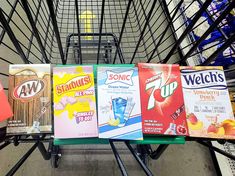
[162, 102]
[208, 106]
[30, 98]
[119, 108]
[74, 102]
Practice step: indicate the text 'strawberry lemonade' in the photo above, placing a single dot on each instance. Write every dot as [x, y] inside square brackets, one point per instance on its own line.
[208, 107]
[119, 108]
[74, 102]
[162, 104]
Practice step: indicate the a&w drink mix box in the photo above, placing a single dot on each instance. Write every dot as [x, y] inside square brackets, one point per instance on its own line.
[30, 98]
[74, 102]
[208, 106]
[162, 102]
[119, 108]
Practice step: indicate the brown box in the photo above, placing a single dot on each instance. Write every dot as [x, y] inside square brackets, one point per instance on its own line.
[30, 98]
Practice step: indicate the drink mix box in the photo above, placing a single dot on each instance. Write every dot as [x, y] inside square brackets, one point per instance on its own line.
[74, 102]
[30, 98]
[6, 110]
[119, 108]
[208, 106]
[232, 99]
[162, 102]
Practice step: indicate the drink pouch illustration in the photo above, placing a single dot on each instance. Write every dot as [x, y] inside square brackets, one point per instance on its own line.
[171, 130]
[129, 107]
[36, 123]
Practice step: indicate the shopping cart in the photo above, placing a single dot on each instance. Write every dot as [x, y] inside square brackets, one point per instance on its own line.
[107, 32]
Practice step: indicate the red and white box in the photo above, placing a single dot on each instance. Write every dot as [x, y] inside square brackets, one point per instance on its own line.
[163, 110]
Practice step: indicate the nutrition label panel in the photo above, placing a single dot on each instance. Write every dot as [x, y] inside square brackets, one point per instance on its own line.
[209, 109]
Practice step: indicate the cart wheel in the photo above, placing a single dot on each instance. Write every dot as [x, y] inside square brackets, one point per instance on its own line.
[221, 141]
[54, 161]
[141, 151]
[55, 156]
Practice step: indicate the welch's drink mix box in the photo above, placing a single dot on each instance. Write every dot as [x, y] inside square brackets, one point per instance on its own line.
[119, 109]
[208, 106]
[162, 103]
[30, 98]
[74, 102]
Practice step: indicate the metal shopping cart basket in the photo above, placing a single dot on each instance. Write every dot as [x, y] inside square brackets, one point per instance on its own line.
[111, 32]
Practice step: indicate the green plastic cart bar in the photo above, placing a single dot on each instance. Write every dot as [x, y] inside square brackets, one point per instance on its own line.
[147, 140]
[153, 139]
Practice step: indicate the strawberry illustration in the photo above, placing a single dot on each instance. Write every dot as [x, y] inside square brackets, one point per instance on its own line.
[212, 128]
[192, 118]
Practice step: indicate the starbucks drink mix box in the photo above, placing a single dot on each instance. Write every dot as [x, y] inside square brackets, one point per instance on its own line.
[30, 98]
[119, 109]
[208, 106]
[6, 111]
[162, 103]
[74, 102]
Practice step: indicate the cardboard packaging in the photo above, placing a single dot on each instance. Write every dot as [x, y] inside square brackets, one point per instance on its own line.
[119, 108]
[162, 100]
[208, 106]
[74, 102]
[30, 98]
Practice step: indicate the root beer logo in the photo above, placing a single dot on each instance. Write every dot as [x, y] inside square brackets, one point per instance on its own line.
[124, 77]
[28, 89]
[77, 83]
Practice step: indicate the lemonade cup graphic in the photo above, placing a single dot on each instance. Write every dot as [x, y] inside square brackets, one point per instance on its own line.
[119, 106]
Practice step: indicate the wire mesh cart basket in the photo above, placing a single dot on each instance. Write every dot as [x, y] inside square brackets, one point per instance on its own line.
[113, 32]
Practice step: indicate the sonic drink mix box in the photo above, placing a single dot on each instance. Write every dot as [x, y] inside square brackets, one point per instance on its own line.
[74, 102]
[208, 106]
[162, 100]
[6, 111]
[30, 98]
[119, 108]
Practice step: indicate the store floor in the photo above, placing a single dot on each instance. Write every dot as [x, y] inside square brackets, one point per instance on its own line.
[182, 160]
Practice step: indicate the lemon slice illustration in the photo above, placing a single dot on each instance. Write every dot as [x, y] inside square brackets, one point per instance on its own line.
[113, 122]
